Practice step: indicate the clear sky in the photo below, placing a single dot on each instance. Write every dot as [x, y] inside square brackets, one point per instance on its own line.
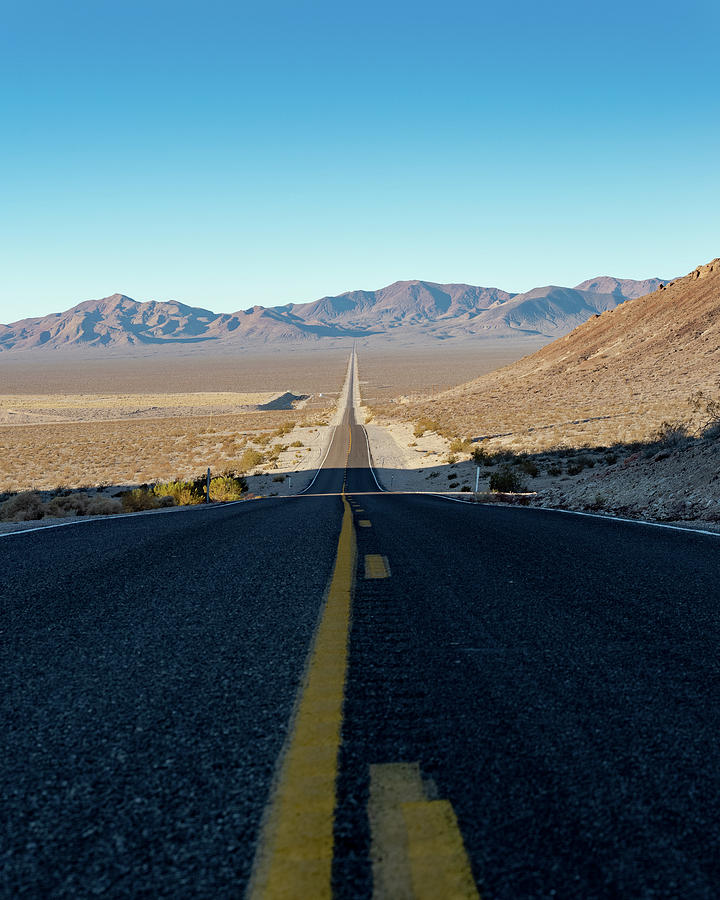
[227, 153]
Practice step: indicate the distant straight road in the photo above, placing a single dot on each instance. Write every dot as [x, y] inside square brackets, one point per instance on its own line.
[544, 686]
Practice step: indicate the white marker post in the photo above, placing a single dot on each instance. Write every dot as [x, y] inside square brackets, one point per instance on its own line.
[207, 499]
[477, 480]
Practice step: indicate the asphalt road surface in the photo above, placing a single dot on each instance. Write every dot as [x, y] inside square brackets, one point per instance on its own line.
[520, 703]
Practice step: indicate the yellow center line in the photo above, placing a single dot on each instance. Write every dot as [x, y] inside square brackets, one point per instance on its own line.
[364, 523]
[295, 851]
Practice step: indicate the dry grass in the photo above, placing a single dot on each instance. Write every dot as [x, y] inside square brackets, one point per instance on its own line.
[136, 420]
[131, 452]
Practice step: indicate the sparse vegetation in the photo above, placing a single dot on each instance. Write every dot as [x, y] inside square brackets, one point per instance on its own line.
[528, 467]
[250, 459]
[460, 445]
[507, 481]
[483, 457]
[227, 487]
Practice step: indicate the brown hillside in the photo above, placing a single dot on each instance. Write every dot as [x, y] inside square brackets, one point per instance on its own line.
[614, 378]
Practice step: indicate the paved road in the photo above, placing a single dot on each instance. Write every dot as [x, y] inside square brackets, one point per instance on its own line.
[552, 680]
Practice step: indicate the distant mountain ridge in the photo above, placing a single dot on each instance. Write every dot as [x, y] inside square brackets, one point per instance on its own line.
[405, 307]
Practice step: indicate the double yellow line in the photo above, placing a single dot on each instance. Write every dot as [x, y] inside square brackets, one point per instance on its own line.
[295, 851]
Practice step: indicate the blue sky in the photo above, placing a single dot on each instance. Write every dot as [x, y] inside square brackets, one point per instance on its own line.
[226, 154]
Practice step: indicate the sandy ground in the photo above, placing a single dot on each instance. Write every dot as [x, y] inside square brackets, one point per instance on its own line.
[22, 409]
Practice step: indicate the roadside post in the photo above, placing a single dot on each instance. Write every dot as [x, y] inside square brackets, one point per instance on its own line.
[207, 497]
[477, 480]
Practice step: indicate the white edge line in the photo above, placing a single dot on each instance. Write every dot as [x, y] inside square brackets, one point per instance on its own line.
[573, 512]
[370, 460]
[322, 463]
[332, 436]
[120, 517]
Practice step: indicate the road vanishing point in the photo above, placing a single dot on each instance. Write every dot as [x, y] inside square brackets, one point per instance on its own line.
[352, 693]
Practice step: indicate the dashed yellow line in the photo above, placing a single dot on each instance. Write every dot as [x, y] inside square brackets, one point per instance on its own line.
[364, 523]
[376, 566]
[417, 850]
[294, 856]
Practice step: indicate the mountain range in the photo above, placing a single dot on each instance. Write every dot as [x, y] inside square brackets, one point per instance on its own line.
[404, 309]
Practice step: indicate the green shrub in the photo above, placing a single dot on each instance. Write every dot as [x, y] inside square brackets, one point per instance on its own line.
[227, 486]
[465, 488]
[554, 471]
[506, 481]
[279, 478]
[184, 493]
[483, 457]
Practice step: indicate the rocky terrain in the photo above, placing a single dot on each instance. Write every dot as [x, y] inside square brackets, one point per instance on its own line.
[621, 415]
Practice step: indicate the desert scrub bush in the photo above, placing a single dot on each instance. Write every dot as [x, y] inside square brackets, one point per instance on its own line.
[465, 489]
[482, 457]
[460, 445]
[424, 425]
[708, 410]
[184, 493]
[80, 504]
[284, 429]
[297, 444]
[138, 500]
[250, 459]
[577, 465]
[279, 478]
[528, 467]
[228, 486]
[672, 434]
[506, 481]
[23, 507]
[554, 471]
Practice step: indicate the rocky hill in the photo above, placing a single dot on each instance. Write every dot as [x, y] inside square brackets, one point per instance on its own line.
[615, 377]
